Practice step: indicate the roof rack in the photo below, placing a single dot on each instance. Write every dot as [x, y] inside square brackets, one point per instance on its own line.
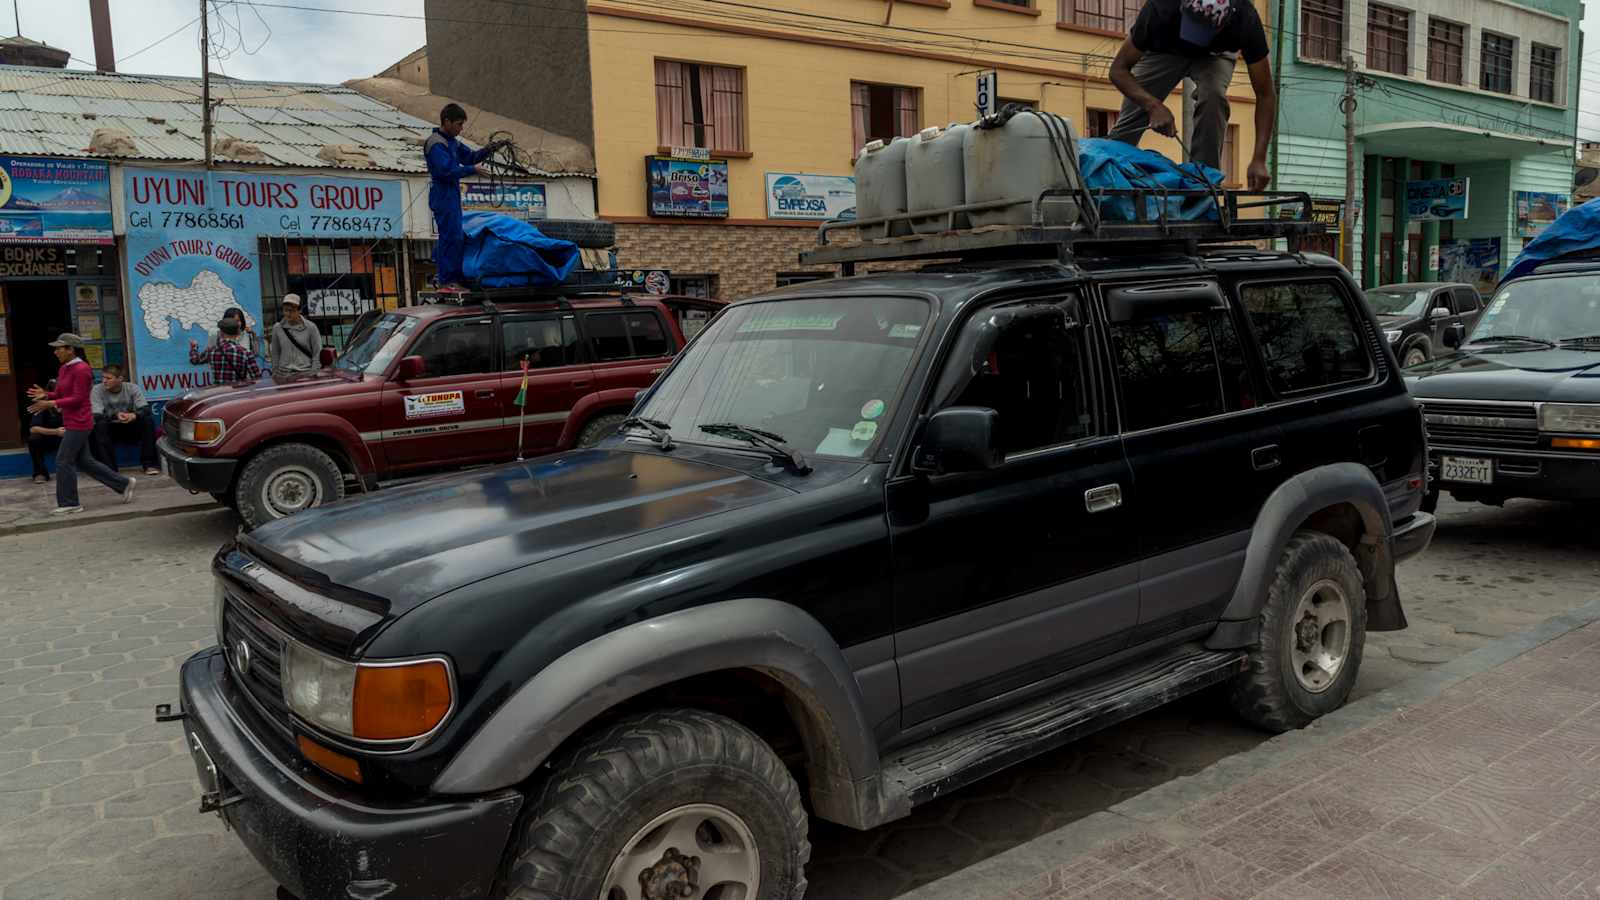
[582, 283]
[1287, 215]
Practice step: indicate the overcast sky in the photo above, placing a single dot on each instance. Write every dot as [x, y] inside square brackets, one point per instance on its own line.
[300, 45]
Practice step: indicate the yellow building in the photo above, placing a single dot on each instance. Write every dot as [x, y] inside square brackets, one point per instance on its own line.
[796, 92]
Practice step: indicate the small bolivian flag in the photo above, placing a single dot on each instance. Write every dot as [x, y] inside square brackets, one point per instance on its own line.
[522, 393]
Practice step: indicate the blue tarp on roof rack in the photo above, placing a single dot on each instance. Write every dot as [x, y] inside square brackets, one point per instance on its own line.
[506, 252]
[1108, 164]
[1577, 230]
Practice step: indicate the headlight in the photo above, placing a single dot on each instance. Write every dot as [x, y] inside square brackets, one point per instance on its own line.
[1578, 417]
[202, 431]
[367, 701]
[1392, 336]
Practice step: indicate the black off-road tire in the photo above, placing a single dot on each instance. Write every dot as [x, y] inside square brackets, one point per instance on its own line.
[1269, 694]
[594, 799]
[589, 233]
[599, 429]
[1418, 349]
[266, 471]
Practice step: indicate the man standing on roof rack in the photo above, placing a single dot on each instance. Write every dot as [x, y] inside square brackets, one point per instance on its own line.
[1199, 39]
[449, 161]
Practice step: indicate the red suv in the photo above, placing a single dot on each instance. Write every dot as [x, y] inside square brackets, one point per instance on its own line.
[424, 388]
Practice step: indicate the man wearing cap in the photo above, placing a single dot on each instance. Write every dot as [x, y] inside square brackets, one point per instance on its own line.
[296, 344]
[1200, 40]
[71, 397]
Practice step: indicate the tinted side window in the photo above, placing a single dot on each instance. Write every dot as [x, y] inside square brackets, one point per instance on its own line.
[608, 337]
[1467, 300]
[458, 348]
[1308, 337]
[1037, 379]
[649, 338]
[630, 335]
[1180, 367]
[546, 342]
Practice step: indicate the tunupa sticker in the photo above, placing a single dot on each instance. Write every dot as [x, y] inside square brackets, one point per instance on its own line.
[444, 403]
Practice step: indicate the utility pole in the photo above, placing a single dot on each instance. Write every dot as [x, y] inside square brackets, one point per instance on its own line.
[205, 81]
[1347, 104]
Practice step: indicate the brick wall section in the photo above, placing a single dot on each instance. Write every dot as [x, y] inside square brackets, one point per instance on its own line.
[746, 258]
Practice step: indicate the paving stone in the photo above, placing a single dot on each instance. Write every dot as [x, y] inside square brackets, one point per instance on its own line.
[119, 722]
[133, 757]
[80, 747]
[67, 713]
[92, 788]
[1357, 874]
[40, 775]
[1425, 653]
[103, 690]
[55, 684]
[100, 839]
[152, 800]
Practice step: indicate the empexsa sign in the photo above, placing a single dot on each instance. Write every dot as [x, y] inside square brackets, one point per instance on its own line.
[818, 197]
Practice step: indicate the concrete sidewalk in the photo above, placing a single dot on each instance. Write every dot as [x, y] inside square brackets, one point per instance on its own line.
[25, 506]
[1481, 780]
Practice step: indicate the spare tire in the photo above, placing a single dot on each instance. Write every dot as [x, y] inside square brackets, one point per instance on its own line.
[590, 233]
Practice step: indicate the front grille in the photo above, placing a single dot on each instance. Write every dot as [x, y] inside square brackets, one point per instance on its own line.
[1461, 423]
[169, 426]
[262, 679]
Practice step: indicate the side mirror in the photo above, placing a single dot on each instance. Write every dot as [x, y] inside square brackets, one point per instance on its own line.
[411, 367]
[1454, 335]
[961, 439]
[1440, 312]
[327, 356]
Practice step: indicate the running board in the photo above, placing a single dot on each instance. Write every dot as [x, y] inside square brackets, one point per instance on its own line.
[956, 759]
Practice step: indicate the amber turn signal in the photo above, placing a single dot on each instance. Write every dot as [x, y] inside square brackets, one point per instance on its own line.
[206, 432]
[329, 761]
[402, 701]
[1575, 443]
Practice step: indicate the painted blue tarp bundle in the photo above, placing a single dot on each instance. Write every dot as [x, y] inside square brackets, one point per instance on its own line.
[1113, 165]
[1575, 231]
[506, 252]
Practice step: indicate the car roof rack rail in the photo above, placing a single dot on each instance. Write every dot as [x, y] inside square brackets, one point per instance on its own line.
[584, 283]
[1282, 214]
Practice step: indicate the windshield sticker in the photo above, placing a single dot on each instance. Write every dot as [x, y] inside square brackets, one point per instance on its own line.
[905, 331]
[842, 443]
[793, 322]
[426, 406]
[863, 431]
[872, 409]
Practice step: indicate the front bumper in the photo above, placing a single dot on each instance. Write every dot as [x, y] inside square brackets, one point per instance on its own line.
[1534, 474]
[1413, 535]
[197, 473]
[314, 834]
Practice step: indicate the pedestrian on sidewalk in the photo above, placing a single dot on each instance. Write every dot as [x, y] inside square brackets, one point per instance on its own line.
[122, 416]
[231, 361]
[44, 437]
[1200, 40]
[247, 337]
[296, 344]
[449, 161]
[71, 398]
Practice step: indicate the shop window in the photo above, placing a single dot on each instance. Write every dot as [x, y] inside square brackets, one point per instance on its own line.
[634, 335]
[1180, 367]
[1388, 39]
[1322, 30]
[1542, 67]
[1447, 48]
[1498, 61]
[1099, 122]
[880, 112]
[457, 348]
[1101, 15]
[338, 280]
[1309, 340]
[702, 286]
[700, 106]
[547, 342]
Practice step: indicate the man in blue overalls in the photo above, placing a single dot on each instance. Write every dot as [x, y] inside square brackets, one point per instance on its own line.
[449, 161]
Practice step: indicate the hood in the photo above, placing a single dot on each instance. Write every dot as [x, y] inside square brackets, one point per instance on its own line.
[1531, 375]
[1396, 321]
[407, 545]
[275, 388]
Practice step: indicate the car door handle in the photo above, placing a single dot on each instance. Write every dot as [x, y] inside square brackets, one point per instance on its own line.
[580, 384]
[1102, 498]
[483, 395]
[1264, 458]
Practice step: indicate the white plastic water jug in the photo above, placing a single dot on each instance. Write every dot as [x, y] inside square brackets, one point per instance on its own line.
[881, 187]
[934, 178]
[1017, 157]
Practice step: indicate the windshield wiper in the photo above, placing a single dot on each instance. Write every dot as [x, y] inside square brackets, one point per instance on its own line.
[781, 452]
[1589, 339]
[658, 429]
[1502, 338]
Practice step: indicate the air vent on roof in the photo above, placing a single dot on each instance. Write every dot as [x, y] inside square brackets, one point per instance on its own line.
[112, 142]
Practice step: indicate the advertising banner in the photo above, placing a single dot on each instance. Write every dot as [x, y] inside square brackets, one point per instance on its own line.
[1474, 261]
[687, 188]
[1437, 199]
[55, 201]
[192, 241]
[818, 197]
[1535, 211]
[522, 201]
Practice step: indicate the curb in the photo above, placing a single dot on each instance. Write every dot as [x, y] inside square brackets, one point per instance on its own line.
[1012, 869]
[55, 524]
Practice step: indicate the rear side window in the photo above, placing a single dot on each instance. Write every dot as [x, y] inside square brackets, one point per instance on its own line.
[626, 335]
[1467, 300]
[1309, 338]
[1180, 367]
[546, 342]
[458, 348]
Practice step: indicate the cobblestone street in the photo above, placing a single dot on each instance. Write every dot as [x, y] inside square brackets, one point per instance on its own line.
[97, 800]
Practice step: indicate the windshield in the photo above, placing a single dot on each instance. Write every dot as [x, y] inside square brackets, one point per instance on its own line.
[1550, 309]
[376, 346]
[822, 374]
[1386, 302]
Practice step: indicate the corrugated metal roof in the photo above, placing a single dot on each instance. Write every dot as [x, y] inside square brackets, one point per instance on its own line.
[55, 112]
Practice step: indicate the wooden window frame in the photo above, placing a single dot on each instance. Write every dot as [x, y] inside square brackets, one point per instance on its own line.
[1510, 66]
[1098, 16]
[1536, 67]
[694, 72]
[1440, 48]
[1322, 29]
[1388, 25]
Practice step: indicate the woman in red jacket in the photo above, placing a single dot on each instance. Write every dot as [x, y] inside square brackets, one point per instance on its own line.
[71, 397]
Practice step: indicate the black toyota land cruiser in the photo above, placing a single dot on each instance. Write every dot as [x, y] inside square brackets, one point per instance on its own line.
[867, 540]
[1515, 412]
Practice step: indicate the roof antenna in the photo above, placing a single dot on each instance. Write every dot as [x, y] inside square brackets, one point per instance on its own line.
[16, 11]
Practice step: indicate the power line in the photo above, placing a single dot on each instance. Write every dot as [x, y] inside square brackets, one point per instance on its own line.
[168, 36]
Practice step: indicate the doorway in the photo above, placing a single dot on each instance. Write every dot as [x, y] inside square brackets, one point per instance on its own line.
[37, 311]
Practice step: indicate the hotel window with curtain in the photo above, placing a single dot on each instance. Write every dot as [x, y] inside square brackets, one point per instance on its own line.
[1542, 67]
[881, 112]
[1101, 15]
[700, 106]
[1322, 30]
[1388, 39]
